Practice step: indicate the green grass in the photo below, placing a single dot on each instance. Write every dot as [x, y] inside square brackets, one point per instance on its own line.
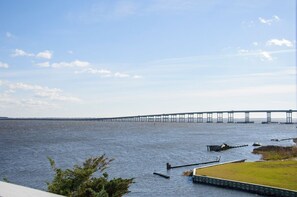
[282, 174]
[276, 152]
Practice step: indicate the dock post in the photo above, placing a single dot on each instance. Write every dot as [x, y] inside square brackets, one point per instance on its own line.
[289, 117]
[247, 117]
[230, 117]
[209, 118]
[268, 117]
[220, 117]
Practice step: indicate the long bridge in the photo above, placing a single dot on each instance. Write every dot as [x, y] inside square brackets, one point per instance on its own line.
[204, 116]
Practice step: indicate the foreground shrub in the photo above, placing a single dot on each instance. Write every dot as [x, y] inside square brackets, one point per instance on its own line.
[80, 182]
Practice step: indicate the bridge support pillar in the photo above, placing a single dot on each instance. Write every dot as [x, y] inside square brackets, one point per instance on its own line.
[151, 118]
[230, 117]
[181, 118]
[165, 118]
[173, 118]
[190, 117]
[209, 118]
[268, 117]
[220, 117]
[157, 118]
[200, 118]
[289, 117]
[247, 117]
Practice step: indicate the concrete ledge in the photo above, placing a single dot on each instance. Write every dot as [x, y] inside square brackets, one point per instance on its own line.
[243, 186]
[12, 190]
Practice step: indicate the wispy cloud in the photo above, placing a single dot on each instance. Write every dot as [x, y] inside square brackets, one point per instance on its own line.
[9, 35]
[255, 43]
[73, 64]
[43, 54]
[291, 71]
[269, 21]
[101, 72]
[84, 67]
[50, 94]
[20, 52]
[250, 91]
[240, 52]
[284, 73]
[107, 73]
[121, 75]
[265, 55]
[279, 42]
[3, 65]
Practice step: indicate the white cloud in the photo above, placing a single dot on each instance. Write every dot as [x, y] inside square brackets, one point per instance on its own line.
[281, 42]
[265, 56]
[45, 54]
[107, 73]
[121, 75]
[86, 67]
[20, 52]
[35, 102]
[255, 43]
[137, 77]
[102, 72]
[291, 71]
[70, 52]
[3, 65]
[243, 51]
[269, 21]
[73, 64]
[44, 64]
[53, 94]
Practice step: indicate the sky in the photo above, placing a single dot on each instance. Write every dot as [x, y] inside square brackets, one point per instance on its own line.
[103, 58]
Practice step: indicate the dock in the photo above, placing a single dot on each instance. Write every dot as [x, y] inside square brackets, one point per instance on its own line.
[168, 166]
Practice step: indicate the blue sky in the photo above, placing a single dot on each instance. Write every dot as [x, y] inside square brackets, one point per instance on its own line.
[111, 58]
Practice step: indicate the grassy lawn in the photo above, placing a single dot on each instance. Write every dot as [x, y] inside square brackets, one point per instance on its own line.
[276, 152]
[281, 174]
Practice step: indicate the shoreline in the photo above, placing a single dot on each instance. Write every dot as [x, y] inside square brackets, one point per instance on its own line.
[275, 175]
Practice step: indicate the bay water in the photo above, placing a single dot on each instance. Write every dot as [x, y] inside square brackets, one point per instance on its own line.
[138, 150]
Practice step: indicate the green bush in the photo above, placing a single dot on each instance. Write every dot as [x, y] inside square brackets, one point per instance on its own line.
[80, 182]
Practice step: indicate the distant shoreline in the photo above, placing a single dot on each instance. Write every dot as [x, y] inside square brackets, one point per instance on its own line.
[53, 119]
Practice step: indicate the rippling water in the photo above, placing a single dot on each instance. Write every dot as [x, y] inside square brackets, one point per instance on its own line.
[139, 149]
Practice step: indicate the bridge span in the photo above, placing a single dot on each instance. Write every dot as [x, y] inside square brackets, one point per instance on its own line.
[205, 116]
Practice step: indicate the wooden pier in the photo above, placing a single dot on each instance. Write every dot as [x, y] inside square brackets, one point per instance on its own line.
[168, 166]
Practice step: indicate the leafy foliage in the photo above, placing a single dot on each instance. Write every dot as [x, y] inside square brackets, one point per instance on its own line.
[80, 182]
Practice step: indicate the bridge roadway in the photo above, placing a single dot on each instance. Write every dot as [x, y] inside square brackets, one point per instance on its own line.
[199, 117]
